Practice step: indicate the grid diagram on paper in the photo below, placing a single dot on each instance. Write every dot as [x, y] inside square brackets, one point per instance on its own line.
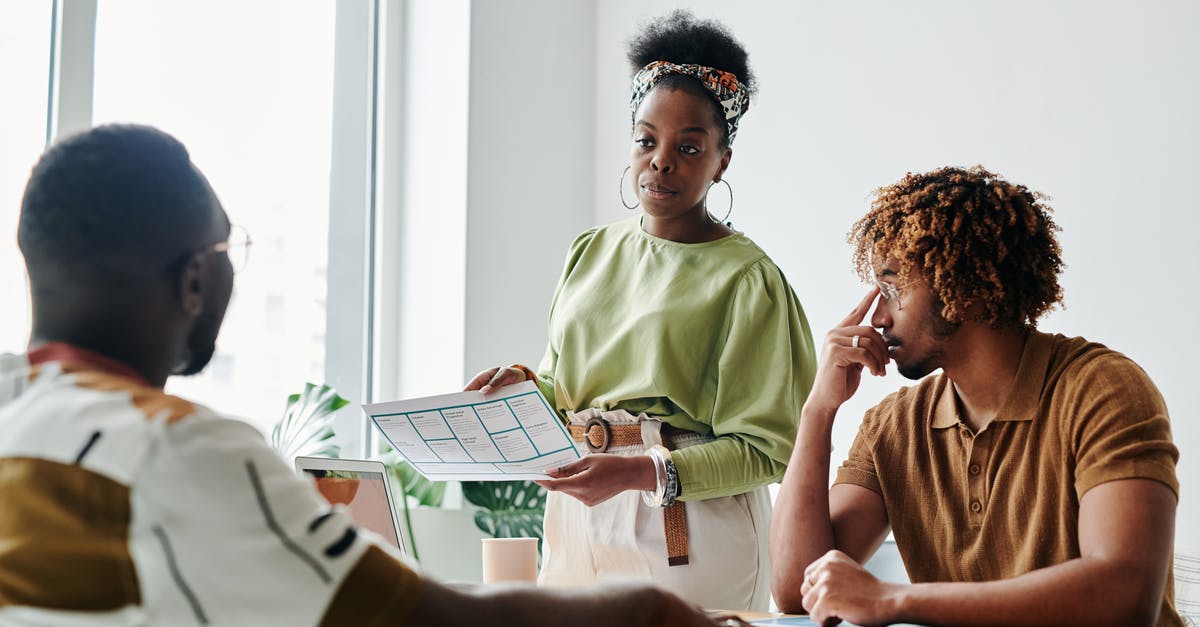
[506, 436]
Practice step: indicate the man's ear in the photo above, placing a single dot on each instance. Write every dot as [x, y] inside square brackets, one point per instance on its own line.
[975, 310]
[190, 284]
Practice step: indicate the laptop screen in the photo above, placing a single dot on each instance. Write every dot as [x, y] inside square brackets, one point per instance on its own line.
[364, 494]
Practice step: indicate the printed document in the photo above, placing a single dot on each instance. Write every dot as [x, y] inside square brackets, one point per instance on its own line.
[509, 434]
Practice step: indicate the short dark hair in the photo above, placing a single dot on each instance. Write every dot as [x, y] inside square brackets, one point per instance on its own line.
[978, 240]
[112, 199]
[679, 37]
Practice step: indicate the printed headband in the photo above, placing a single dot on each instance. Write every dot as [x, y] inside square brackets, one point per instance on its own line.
[724, 86]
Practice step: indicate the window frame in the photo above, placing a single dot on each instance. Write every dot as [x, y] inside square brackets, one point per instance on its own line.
[351, 280]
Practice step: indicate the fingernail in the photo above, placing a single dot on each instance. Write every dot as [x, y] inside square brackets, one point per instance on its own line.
[485, 389]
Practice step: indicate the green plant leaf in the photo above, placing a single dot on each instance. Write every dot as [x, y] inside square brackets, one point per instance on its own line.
[423, 491]
[510, 524]
[510, 509]
[415, 487]
[306, 427]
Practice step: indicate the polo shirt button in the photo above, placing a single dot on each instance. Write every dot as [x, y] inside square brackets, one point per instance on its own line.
[974, 469]
[976, 506]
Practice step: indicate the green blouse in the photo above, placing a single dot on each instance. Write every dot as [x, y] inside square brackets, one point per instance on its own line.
[707, 337]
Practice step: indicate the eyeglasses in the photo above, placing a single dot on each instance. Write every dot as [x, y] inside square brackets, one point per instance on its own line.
[890, 293]
[237, 247]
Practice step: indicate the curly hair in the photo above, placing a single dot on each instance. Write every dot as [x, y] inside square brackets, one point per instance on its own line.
[976, 238]
[680, 37]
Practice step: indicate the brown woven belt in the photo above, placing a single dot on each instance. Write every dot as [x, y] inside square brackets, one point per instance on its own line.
[599, 435]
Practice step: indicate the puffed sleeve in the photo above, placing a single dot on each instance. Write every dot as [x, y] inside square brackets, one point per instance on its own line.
[763, 374]
[549, 364]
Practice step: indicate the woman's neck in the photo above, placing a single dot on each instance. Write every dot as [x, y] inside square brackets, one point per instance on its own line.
[694, 227]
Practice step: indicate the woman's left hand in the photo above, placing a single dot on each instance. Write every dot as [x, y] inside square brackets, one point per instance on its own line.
[598, 477]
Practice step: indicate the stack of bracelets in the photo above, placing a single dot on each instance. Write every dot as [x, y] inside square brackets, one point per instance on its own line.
[667, 478]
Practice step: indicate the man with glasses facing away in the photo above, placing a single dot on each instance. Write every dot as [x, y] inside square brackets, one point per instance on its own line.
[1031, 482]
[122, 505]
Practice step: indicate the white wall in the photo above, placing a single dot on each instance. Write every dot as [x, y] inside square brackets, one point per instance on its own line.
[425, 211]
[532, 104]
[498, 110]
[1092, 103]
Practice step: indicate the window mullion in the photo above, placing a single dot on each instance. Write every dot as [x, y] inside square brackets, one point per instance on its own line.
[72, 62]
[349, 301]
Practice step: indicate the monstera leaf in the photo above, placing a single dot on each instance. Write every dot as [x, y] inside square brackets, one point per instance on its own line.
[511, 509]
[306, 427]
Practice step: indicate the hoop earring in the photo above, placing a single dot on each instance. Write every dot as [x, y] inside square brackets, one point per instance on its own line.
[725, 219]
[621, 191]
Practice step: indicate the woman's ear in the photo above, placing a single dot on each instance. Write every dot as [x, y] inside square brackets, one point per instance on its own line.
[724, 164]
[190, 284]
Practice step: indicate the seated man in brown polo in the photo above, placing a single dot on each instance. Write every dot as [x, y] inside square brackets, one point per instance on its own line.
[1031, 482]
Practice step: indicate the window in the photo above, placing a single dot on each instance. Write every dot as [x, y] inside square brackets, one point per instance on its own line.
[24, 76]
[248, 88]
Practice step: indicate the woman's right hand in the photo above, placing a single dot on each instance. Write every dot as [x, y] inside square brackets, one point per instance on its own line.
[497, 377]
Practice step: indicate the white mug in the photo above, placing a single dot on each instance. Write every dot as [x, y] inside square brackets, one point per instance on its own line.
[510, 559]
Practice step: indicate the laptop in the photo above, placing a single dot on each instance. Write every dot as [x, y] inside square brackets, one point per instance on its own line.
[363, 488]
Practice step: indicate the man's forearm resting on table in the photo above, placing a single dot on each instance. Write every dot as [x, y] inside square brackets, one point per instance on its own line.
[1083, 591]
[1126, 530]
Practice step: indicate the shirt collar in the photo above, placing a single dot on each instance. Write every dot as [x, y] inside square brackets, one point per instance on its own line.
[1022, 402]
[71, 355]
[945, 411]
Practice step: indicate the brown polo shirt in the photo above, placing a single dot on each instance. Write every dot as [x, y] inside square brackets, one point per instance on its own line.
[996, 504]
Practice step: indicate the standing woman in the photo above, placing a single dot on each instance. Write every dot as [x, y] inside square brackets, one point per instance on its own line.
[678, 352]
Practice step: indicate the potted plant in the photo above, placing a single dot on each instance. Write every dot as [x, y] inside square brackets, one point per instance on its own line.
[306, 427]
[449, 536]
[508, 509]
[444, 539]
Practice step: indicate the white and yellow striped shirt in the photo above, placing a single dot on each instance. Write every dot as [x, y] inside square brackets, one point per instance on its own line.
[123, 505]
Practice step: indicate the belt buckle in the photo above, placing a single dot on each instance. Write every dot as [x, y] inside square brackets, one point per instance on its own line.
[604, 428]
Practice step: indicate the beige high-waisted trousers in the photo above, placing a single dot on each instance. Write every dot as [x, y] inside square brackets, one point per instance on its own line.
[623, 538]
